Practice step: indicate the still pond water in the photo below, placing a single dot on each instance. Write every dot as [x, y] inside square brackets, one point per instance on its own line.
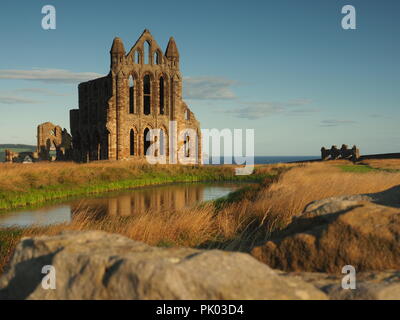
[153, 198]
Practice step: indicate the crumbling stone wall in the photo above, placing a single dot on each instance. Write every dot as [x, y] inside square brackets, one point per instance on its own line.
[20, 157]
[343, 153]
[142, 91]
[52, 138]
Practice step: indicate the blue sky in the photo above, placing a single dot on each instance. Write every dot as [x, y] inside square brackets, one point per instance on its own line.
[285, 68]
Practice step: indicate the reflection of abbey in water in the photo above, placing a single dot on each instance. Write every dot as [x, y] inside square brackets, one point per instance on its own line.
[155, 199]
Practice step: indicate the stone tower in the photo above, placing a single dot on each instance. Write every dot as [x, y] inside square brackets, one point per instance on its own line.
[142, 91]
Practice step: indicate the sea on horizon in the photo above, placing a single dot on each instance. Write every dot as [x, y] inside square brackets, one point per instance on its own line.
[272, 159]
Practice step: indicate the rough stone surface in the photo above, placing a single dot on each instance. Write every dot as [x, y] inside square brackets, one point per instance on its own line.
[343, 153]
[390, 197]
[142, 91]
[362, 231]
[384, 285]
[97, 265]
[51, 137]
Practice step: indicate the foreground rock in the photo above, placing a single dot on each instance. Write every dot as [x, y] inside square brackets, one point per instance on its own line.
[362, 231]
[384, 285]
[98, 265]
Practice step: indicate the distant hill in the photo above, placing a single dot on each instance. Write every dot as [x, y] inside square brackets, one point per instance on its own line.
[15, 148]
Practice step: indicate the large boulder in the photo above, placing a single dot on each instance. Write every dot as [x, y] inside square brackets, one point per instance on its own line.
[361, 230]
[390, 197]
[98, 265]
[383, 285]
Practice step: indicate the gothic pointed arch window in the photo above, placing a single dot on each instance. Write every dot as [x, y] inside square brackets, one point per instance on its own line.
[146, 94]
[146, 50]
[162, 96]
[146, 140]
[136, 57]
[187, 145]
[132, 142]
[156, 58]
[131, 95]
[187, 114]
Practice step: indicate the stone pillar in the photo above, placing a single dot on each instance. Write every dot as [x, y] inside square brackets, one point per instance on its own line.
[8, 156]
[199, 148]
[112, 122]
[120, 108]
[173, 99]
[355, 153]
[139, 96]
[324, 153]
[112, 143]
[156, 98]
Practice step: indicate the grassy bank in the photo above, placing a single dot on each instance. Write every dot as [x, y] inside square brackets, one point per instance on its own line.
[238, 222]
[32, 184]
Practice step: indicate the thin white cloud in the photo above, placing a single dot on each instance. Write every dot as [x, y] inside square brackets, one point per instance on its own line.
[297, 102]
[257, 110]
[376, 115]
[335, 123]
[302, 111]
[48, 75]
[16, 100]
[208, 88]
[41, 91]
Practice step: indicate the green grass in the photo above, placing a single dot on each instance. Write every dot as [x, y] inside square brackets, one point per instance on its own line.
[357, 168]
[112, 179]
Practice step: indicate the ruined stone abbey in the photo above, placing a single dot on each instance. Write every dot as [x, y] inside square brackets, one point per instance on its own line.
[143, 91]
[119, 114]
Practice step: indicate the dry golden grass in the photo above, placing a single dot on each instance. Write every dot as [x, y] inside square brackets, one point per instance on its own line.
[273, 206]
[237, 225]
[181, 228]
[314, 181]
[190, 227]
[17, 177]
[383, 163]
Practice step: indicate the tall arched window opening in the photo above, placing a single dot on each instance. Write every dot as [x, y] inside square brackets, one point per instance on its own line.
[187, 145]
[137, 57]
[146, 47]
[131, 95]
[162, 111]
[132, 142]
[146, 140]
[156, 58]
[146, 94]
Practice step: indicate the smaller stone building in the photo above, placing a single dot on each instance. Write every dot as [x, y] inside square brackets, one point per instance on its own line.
[344, 152]
[53, 143]
[20, 157]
